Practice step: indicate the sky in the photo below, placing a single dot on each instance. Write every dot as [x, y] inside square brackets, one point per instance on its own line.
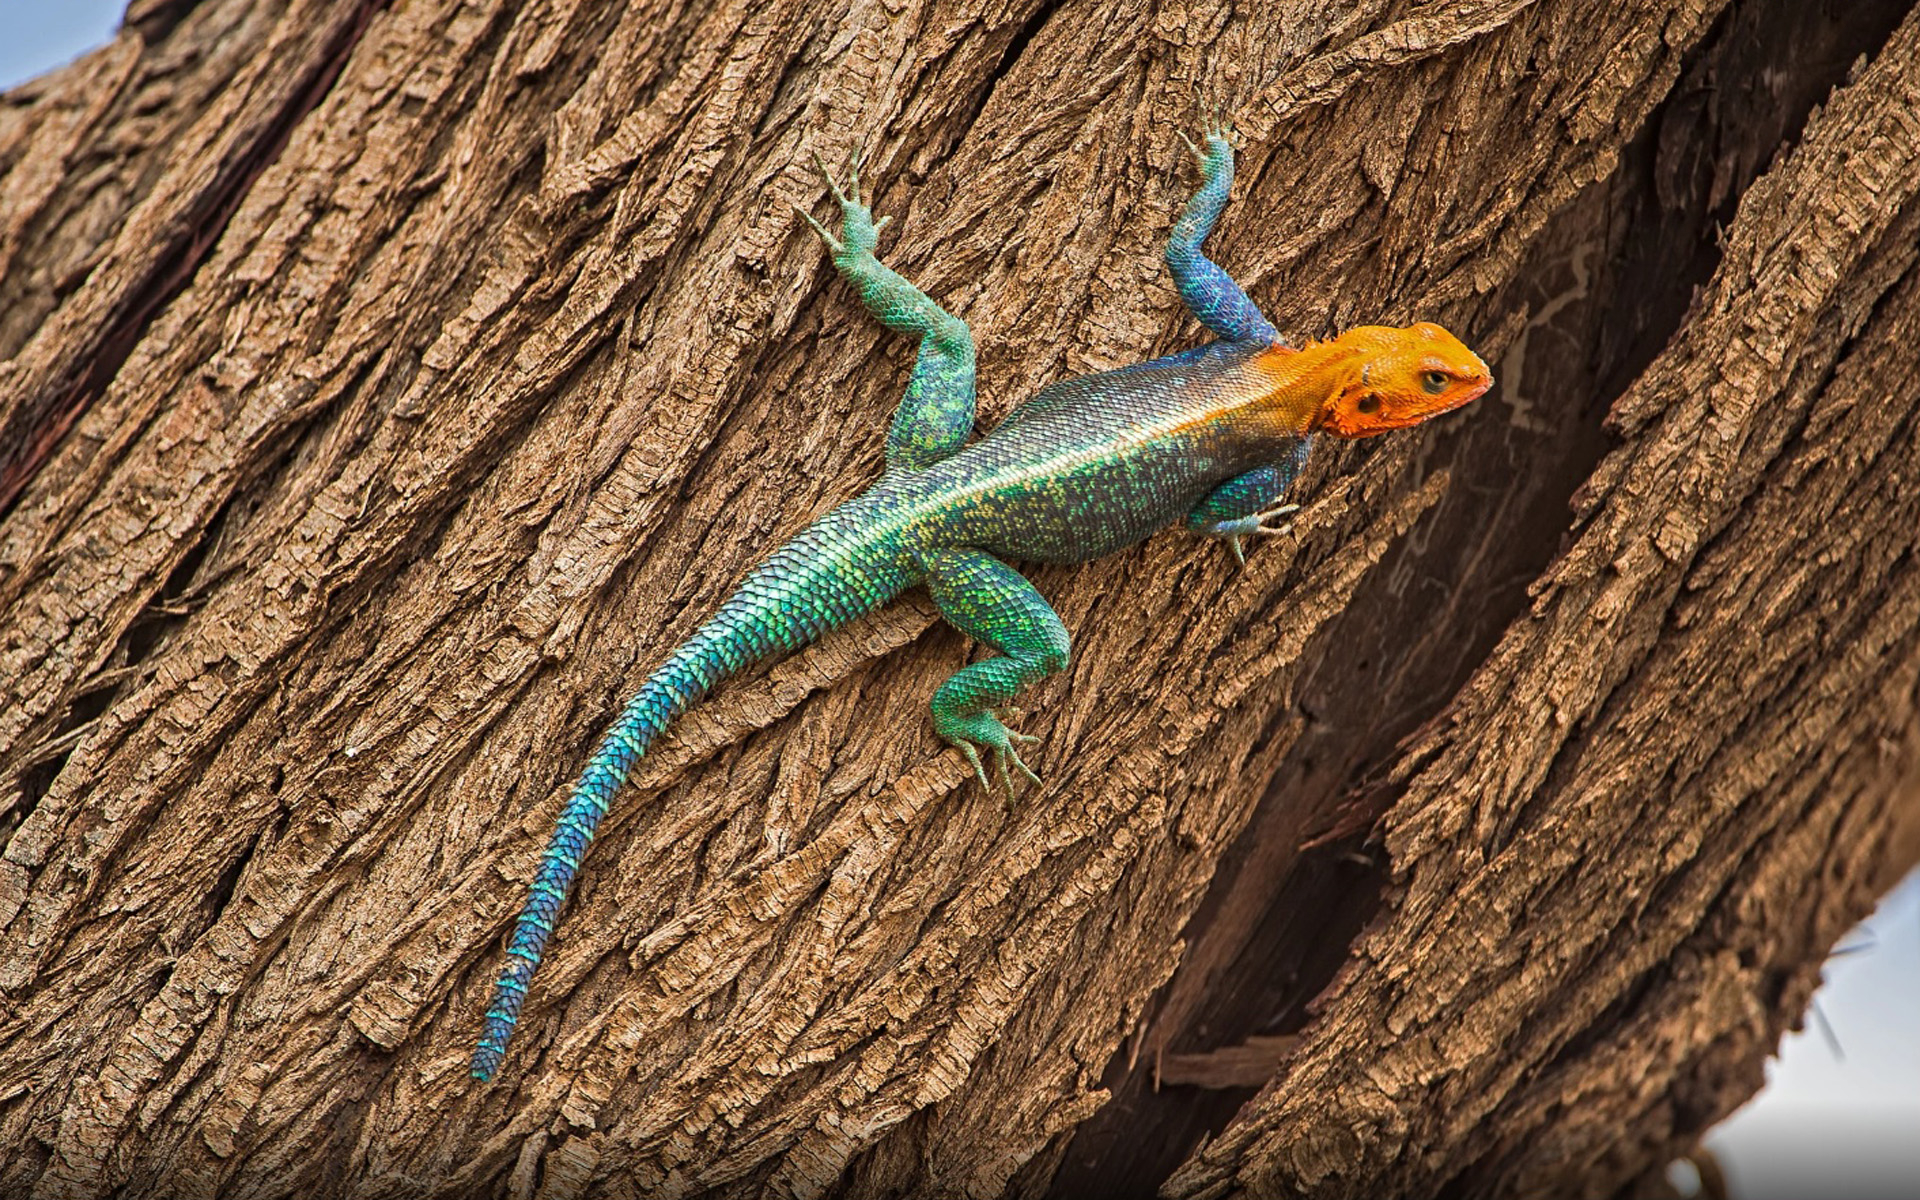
[1840, 1116]
[38, 35]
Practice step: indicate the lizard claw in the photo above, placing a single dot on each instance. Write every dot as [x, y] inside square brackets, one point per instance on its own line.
[833, 243]
[1259, 524]
[1213, 149]
[997, 739]
[1221, 126]
[1005, 753]
[849, 195]
[973, 758]
[1273, 514]
[858, 230]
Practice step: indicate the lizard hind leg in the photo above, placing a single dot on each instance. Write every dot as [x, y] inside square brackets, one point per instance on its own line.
[936, 414]
[990, 602]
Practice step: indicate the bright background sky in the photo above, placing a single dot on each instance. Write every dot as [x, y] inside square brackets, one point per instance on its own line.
[1840, 1116]
[36, 35]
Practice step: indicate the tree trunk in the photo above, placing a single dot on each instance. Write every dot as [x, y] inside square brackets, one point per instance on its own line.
[388, 387]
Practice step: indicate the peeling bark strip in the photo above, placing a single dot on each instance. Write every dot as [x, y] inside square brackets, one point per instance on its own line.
[512, 358]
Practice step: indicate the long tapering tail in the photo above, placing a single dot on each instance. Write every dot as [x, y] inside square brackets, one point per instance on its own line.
[824, 577]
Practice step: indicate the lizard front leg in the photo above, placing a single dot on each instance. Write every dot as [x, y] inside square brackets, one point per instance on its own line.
[992, 603]
[936, 414]
[1211, 294]
[1247, 504]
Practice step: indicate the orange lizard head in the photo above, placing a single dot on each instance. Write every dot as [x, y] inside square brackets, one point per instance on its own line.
[1393, 378]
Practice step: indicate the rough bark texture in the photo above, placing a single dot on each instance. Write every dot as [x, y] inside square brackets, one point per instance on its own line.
[388, 386]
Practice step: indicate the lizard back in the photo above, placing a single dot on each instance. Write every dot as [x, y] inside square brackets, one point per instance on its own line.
[1097, 462]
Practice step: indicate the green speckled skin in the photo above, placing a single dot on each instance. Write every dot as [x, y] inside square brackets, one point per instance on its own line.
[1083, 468]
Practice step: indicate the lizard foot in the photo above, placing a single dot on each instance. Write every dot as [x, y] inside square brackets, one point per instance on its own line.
[1260, 524]
[859, 232]
[1263, 519]
[1216, 135]
[984, 731]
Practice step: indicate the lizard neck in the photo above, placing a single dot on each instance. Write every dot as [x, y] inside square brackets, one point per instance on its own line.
[1302, 383]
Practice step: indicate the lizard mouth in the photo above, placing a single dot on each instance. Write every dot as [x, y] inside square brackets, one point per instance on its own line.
[1375, 423]
[1471, 394]
[1460, 399]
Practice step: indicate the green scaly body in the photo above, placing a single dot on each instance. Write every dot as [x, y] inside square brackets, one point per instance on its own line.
[1213, 436]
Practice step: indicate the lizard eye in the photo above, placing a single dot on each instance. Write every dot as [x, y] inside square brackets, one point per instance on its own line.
[1434, 382]
[1368, 403]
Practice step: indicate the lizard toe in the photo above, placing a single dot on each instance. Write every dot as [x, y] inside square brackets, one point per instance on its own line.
[1265, 526]
[973, 757]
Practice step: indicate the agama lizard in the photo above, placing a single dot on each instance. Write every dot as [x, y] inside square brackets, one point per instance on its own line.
[1213, 436]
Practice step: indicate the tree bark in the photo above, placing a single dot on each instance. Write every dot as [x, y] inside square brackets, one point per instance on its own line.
[388, 387]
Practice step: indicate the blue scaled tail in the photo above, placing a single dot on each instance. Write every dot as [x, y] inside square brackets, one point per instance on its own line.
[826, 576]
